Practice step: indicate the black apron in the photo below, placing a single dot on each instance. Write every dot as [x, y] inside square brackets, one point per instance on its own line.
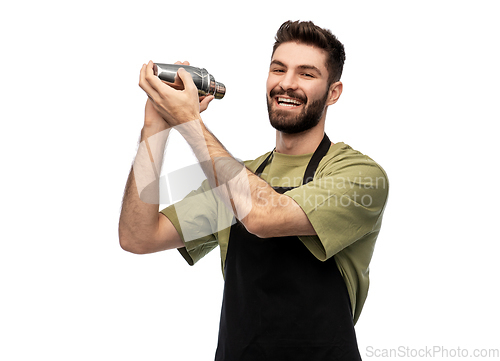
[280, 302]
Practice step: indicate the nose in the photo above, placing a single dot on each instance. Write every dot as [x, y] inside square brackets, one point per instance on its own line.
[289, 82]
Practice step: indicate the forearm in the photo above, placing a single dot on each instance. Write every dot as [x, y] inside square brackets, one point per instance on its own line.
[141, 199]
[257, 205]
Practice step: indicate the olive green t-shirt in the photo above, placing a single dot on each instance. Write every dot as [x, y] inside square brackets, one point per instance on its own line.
[344, 203]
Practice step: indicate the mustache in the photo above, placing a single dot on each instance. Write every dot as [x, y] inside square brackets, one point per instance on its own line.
[289, 93]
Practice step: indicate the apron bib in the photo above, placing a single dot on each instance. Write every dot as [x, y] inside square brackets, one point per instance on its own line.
[280, 302]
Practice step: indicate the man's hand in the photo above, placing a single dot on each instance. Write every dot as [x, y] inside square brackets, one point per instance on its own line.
[174, 106]
[180, 86]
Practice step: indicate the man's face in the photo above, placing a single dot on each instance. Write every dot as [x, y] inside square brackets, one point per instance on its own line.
[297, 87]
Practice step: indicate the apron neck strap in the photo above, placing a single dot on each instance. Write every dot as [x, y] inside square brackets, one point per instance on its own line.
[319, 153]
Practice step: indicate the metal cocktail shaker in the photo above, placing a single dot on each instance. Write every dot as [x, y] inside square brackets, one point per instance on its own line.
[203, 80]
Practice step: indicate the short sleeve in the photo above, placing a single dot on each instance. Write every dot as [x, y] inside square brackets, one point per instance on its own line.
[343, 203]
[198, 218]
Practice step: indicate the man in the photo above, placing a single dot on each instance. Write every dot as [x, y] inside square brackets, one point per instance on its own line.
[296, 227]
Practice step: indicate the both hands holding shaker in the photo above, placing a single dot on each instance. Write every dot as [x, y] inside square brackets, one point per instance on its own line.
[177, 92]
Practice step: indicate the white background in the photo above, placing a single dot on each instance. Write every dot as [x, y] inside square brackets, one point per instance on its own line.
[420, 97]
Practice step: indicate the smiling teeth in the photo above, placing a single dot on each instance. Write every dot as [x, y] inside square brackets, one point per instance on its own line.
[288, 102]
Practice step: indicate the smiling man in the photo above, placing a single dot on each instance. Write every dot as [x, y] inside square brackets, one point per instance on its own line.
[291, 111]
[296, 227]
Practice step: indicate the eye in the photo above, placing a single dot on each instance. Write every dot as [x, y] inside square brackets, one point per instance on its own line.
[308, 75]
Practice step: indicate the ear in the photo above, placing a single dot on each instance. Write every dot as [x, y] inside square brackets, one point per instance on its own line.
[334, 92]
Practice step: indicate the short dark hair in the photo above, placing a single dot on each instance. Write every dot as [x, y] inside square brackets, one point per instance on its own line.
[306, 32]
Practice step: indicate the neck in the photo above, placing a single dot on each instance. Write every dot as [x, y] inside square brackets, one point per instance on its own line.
[301, 143]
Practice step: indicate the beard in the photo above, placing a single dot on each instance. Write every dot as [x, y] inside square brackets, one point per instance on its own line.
[283, 121]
